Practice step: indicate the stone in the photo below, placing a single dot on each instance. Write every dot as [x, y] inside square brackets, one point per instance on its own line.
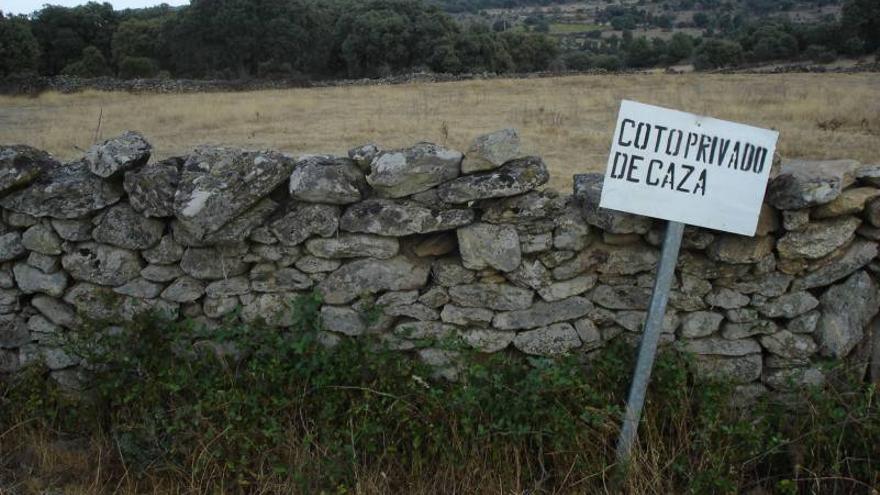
[9, 300]
[20, 165]
[818, 239]
[517, 176]
[234, 286]
[123, 227]
[552, 340]
[846, 309]
[301, 221]
[216, 307]
[634, 321]
[45, 263]
[273, 309]
[400, 173]
[731, 248]
[211, 264]
[588, 192]
[363, 156]
[313, 264]
[167, 251]
[524, 208]
[354, 246]
[95, 302]
[738, 369]
[11, 246]
[55, 310]
[717, 346]
[789, 345]
[736, 331]
[585, 260]
[282, 255]
[542, 314]
[742, 315]
[795, 219]
[183, 290]
[857, 255]
[116, 155]
[76, 229]
[13, 331]
[283, 280]
[397, 298]
[588, 333]
[32, 280]
[427, 330]
[9, 361]
[850, 202]
[567, 288]
[700, 324]
[501, 297]
[18, 220]
[621, 297]
[535, 243]
[262, 235]
[151, 189]
[327, 179]
[216, 185]
[726, 298]
[434, 297]
[448, 272]
[41, 239]
[416, 311]
[869, 174]
[805, 323]
[788, 306]
[794, 378]
[770, 285]
[628, 260]
[485, 245]
[141, 288]
[435, 245]
[239, 228]
[371, 276]
[342, 319]
[42, 330]
[68, 191]
[391, 218]
[488, 341]
[490, 151]
[102, 264]
[802, 184]
[872, 212]
[466, 317]
[161, 273]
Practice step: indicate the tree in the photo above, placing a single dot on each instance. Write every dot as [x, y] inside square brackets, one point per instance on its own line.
[63, 33]
[680, 47]
[92, 64]
[862, 19]
[714, 53]
[19, 50]
[139, 38]
[639, 53]
[138, 68]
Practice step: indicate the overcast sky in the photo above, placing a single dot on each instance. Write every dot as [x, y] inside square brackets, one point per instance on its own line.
[28, 6]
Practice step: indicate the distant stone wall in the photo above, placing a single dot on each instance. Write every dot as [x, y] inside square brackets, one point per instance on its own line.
[428, 243]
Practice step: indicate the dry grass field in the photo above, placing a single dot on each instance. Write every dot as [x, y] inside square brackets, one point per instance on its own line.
[567, 120]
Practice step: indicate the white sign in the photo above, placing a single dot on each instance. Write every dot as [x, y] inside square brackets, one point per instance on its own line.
[687, 168]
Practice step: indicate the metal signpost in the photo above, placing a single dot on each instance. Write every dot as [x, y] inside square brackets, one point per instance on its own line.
[686, 169]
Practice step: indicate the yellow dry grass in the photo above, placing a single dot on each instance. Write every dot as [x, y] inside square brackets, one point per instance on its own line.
[567, 120]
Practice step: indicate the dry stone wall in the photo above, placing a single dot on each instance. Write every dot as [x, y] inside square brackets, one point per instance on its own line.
[428, 243]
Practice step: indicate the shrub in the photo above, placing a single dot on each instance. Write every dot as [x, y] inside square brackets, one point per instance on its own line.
[250, 409]
[138, 68]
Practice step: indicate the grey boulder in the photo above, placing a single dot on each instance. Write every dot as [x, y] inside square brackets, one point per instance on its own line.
[391, 218]
[68, 191]
[20, 165]
[400, 173]
[372, 276]
[151, 189]
[327, 179]
[123, 227]
[515, 177]
[490, 151]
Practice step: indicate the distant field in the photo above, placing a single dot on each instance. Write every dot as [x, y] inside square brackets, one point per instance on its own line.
[567, 120]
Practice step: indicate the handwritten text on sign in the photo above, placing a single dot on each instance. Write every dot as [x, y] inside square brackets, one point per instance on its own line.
[688, 168]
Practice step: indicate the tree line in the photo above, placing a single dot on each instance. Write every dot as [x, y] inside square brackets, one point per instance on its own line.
[232, 39]
[261, 38]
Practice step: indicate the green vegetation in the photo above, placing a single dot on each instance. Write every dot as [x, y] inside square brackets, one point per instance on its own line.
[250, 409]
